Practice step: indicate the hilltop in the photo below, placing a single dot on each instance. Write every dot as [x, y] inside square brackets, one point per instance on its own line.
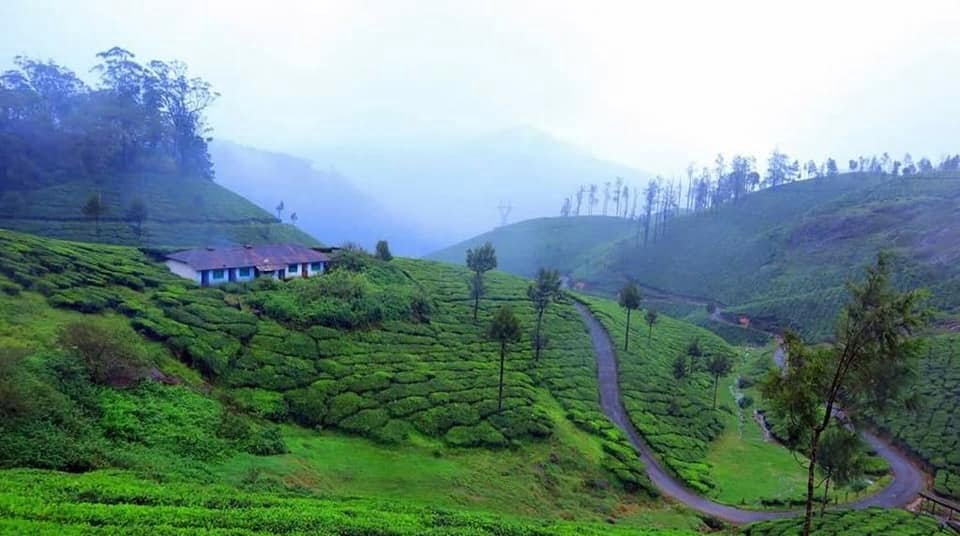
[780, 255]
[181, 211]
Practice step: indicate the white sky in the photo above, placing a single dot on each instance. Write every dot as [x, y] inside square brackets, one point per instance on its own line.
[650, 84]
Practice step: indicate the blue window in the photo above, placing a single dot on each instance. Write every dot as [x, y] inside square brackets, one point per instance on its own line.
[244, 272]
[293, 268]
[217, 274]
[316, 266]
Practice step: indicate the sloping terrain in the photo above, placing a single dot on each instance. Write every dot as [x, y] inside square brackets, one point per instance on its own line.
[932, 433]
[205, 382]
[180, 211]
[780, 255]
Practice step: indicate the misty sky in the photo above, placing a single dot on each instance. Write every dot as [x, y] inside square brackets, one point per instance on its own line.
[648, 84]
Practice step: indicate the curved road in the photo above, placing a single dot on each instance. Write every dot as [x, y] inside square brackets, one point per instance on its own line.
[908, 480]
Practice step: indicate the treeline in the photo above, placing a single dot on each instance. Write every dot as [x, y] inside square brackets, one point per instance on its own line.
[138, 117]
[707, 188]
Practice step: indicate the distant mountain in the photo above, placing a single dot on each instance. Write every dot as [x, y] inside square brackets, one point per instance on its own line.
[453, 187]
[327, 205]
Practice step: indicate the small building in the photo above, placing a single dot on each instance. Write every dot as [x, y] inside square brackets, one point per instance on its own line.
[212, 266]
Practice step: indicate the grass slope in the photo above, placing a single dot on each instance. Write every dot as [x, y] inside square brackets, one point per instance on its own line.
[392, 404]
[781, 255]
[182, 211]
[561, 243]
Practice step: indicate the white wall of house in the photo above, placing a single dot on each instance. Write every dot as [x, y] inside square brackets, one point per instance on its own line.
[184, 270]
[250, 271]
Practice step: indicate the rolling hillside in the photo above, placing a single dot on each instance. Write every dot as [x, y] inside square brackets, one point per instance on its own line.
[780, 255]
[181, 211]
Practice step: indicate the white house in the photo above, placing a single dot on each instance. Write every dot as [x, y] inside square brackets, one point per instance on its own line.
[212, 266]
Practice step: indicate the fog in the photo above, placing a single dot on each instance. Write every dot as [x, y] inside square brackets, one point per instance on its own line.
[635, 88]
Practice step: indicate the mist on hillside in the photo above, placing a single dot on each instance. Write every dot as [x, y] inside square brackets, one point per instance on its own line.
[426, 124]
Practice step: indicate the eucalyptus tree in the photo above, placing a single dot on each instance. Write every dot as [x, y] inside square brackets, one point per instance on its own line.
[480, 261]
[544, 290]
[629, 299]
[504, 329]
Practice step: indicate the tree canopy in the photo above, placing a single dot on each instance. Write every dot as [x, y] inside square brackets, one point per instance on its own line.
[138, 117]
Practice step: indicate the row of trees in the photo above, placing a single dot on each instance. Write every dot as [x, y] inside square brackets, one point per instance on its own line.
[138, 117]
[708, 187]
[505, 327]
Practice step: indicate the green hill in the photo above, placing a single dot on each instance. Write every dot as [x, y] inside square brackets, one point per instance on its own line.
[181, 211]
[371, 381]
[780, 255]
[363, 401]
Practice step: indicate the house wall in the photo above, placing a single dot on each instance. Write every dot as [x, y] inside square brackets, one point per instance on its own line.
[312, 272]
[248, 277]
[184, 270]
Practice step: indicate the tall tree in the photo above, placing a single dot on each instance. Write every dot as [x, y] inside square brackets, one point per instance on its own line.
[650, 201]
[651, 318]
[504, 329]
[592, 199]
[136, 215]
[565, 209]
[718, 367]
[606, 196]
[626, 200]
[629, 299]
[778, 169]
[580, 191]
[831, 168]
[95, 209]
[279, 208]
[294, 218]
[868, 365]
[617, 190]
[480, 261]
[544, 289]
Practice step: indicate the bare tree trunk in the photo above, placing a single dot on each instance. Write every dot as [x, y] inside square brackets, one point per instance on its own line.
[539, 337]
[811, 478]
[626, 335]
[716, 388]
[503, 353]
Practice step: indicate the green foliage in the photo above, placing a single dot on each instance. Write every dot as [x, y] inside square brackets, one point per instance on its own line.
[675, 418]
[33, 502]
[854, 523]
[780, 255]
[930, 430]
[111, 356]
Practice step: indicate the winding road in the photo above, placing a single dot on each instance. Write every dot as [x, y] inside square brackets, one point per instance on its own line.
[907, 482]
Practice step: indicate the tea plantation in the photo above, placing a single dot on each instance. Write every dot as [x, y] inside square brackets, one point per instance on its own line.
[870, 522]
[933, 432]
[35, 502]
[675, 416]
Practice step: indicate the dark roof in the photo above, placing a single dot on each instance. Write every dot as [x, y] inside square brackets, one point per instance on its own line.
[265, 257]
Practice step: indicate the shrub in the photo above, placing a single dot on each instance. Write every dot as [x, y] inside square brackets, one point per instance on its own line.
[112, 356]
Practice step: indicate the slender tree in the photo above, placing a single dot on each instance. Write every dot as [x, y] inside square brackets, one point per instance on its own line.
[279, 209]
[630, 299]
[718, 366]
[680, 368]
[868, 365]
[651, 319]
[480, 261]
[136, 215]
[580, 191]
[294, 218]
[94, 209]
[544, 289]
[504, 329]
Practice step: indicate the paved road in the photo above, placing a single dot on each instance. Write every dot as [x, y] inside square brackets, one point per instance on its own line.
[907, 479]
